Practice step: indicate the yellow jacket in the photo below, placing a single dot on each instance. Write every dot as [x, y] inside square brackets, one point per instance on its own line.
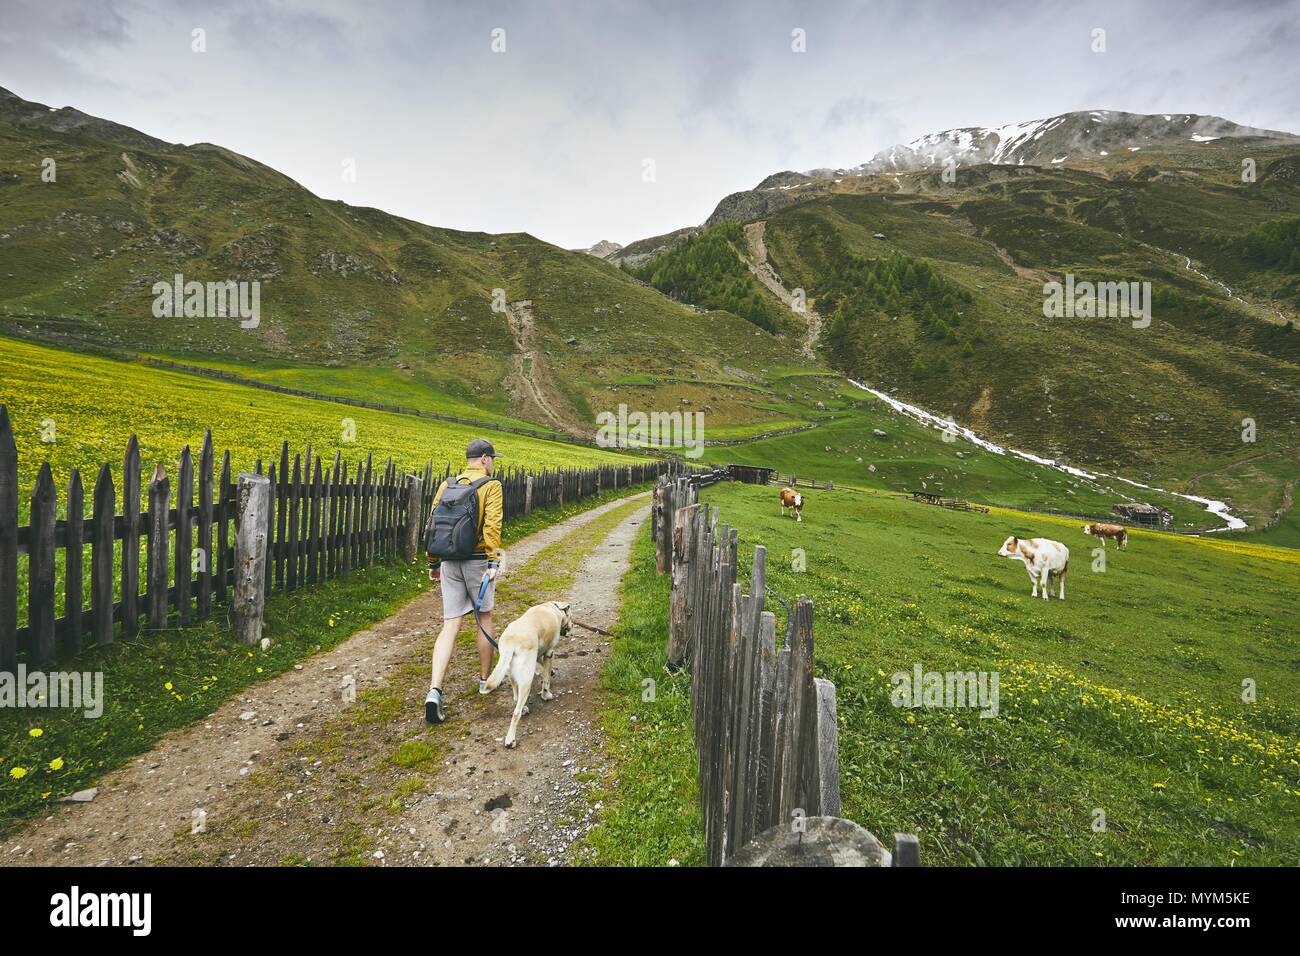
[491, 512]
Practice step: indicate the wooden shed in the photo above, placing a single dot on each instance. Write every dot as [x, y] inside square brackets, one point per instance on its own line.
[751, 474]
[1139, 512]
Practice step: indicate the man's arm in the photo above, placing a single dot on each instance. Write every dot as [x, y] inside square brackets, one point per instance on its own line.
[493, 515]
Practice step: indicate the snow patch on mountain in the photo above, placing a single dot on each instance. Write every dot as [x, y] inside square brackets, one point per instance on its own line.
[1045, 141]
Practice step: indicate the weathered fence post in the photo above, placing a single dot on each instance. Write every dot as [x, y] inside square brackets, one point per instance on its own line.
[184, 573]
[131, 538]
[253, 496]
[657, 526]
[158, 548]
[413, 499]
[206, 565]
[797, 787]
[683, 556]
[907, 849]
[828, 748]
[528, 495]
[101, 559]
[40, 567]
[70, 640]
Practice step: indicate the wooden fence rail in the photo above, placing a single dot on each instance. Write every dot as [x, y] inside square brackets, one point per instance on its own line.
[933, 498]
[766, 731]
[794, 481]
[323, 520]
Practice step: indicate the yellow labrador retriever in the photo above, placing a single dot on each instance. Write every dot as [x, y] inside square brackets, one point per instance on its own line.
[530, 638]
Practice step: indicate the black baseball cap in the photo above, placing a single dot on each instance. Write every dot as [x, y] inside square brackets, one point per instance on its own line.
[480, 447]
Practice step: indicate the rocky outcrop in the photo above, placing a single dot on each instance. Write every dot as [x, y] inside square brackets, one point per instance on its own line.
[345, 265]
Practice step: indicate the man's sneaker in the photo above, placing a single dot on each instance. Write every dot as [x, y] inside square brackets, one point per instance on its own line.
[433, 709]
[482, 686]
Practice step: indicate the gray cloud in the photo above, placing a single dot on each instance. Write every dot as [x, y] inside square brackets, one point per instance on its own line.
[550, 136]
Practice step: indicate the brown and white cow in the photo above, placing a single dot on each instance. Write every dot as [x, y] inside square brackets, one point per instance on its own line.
[794, 501]
[1043, 558]
[1104, 531]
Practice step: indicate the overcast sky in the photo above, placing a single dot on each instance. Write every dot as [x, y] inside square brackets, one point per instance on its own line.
[552, 135]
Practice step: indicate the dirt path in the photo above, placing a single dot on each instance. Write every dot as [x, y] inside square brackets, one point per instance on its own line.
[1191, 482]
[291, 773]
[758, 264]
[530, 377]
[528, 805]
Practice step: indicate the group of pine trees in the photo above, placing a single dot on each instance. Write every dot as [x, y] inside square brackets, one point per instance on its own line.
[1274, 245]
[856, 294]
[707, 271]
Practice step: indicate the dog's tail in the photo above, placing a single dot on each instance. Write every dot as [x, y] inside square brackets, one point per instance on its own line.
[503, 666]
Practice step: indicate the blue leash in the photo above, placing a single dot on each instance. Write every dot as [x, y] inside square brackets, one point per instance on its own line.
[482, 592]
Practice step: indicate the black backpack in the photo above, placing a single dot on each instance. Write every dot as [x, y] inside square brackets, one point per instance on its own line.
[453, 526]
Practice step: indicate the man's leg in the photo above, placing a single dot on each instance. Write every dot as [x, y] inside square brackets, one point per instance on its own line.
[442, 650]
[484, 647]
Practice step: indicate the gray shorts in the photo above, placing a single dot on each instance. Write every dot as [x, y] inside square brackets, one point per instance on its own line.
[460, 583]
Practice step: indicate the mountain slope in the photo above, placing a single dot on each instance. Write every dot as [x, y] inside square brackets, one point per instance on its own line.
[340, 286]
[932, 287]
[927, 286]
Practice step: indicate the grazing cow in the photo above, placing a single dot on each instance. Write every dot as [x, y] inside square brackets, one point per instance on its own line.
[1104, 531]
[1043, 557]
[794, 501]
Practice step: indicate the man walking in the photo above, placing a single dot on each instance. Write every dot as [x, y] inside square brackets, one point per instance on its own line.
[465, 528]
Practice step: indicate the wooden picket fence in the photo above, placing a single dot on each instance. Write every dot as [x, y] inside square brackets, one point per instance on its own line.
[324, 519]
[766, 731]
[765, 728]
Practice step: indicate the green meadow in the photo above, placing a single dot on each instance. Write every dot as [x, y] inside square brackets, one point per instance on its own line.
[1123, 736]
[94, 404]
